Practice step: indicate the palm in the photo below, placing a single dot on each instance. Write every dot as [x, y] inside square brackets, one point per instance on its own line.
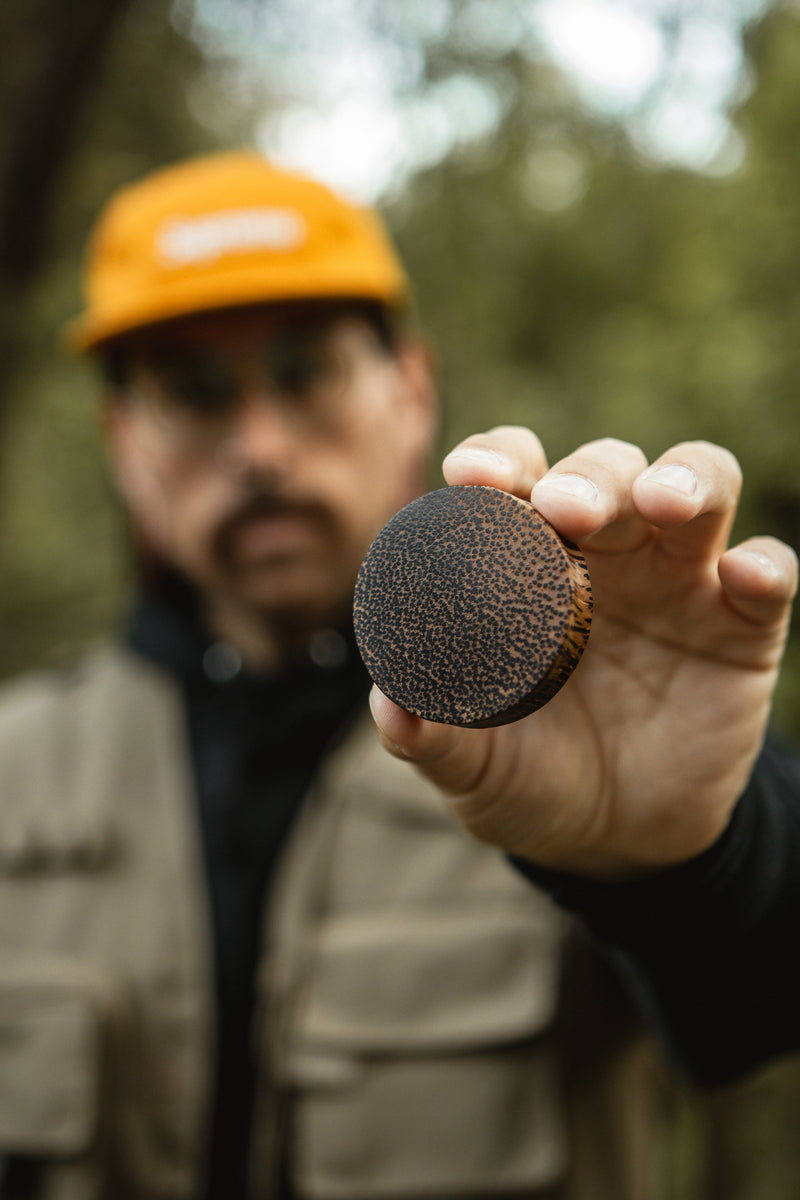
[670, 698]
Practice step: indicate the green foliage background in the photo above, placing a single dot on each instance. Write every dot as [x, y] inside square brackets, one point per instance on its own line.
[565, 282]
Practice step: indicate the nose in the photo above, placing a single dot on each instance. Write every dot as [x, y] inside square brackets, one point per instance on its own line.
[262, 436]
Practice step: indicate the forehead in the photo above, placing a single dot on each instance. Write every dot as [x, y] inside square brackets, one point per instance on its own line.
[237, 327]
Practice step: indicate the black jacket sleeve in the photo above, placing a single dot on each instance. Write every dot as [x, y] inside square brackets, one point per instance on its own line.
[710, 945]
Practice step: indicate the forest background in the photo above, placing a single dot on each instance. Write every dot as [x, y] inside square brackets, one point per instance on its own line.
[568, 280]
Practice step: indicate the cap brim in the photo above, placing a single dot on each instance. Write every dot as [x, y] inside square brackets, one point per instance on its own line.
[187, 297]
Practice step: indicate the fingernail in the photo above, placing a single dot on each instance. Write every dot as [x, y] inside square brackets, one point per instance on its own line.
[676, 476]
[764, 561]
[376, 699]
[571, 485]
[482, 457]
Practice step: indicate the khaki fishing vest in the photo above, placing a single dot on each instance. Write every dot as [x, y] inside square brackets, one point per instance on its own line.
[427, 1024]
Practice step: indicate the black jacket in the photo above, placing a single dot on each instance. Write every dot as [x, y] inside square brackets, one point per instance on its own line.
[711, 945]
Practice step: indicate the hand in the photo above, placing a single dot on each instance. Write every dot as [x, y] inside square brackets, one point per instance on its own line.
[639, 760]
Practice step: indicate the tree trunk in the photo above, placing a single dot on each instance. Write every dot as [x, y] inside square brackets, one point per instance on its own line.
[51, 53]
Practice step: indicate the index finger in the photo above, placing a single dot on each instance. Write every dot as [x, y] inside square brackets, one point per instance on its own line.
[509, 457]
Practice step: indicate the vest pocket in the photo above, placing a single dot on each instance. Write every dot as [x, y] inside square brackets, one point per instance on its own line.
[419, 1060]
[50, 1062]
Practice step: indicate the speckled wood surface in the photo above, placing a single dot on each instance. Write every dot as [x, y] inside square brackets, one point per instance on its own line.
[469, 609]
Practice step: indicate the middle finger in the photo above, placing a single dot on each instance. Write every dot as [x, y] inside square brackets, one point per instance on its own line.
[587, 495]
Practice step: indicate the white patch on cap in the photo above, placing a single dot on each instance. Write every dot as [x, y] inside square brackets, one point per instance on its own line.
[236, 230]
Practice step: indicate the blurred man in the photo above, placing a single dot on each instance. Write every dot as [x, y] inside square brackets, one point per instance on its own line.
[244, 951]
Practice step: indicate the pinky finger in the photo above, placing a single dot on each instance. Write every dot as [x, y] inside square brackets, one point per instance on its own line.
[760, 579]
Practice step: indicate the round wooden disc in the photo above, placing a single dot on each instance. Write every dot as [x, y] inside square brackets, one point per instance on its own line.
[470, 609]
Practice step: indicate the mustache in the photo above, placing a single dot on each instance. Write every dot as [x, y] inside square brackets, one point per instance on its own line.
[267, 501]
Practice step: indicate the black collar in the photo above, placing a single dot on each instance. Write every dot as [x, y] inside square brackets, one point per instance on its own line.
[165, 627]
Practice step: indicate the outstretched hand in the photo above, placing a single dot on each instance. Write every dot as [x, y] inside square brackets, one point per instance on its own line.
[639, 760]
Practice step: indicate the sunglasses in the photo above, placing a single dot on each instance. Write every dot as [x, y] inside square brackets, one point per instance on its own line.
[304, 370]
[194, 392]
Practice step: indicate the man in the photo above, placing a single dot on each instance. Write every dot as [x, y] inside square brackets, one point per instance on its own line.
[244, 951]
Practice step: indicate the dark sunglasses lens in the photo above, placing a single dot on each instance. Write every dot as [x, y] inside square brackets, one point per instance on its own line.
[302, 368]
[195, 382]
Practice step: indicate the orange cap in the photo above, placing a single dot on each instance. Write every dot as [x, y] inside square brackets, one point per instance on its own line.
[225, 230]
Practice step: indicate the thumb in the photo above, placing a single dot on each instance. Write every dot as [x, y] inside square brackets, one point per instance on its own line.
[451, 757]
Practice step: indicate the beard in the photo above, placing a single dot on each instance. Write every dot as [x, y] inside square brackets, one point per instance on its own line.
[264, 509]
